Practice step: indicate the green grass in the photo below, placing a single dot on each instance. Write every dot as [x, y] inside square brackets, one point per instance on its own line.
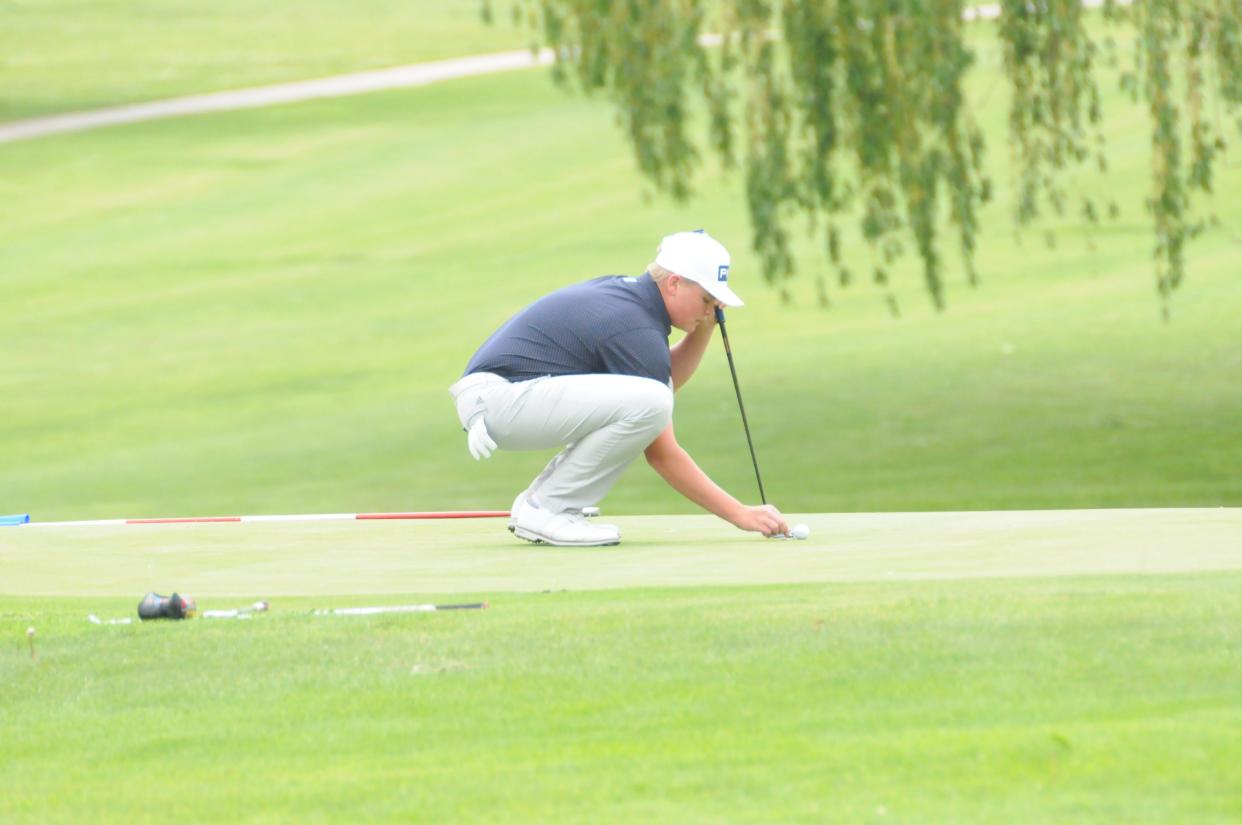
[58, 55]
[968, 667]
[330, 558]
[260, 312]
[1045, 700]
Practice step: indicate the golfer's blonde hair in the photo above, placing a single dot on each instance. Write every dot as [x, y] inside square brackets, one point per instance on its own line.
[658, 273]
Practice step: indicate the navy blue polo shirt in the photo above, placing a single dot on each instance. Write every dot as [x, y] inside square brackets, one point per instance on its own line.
[614, 325]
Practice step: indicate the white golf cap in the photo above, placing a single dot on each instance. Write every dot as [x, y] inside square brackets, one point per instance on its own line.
[701, 258]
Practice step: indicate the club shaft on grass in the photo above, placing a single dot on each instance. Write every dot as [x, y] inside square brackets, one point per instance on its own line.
[396, 608]
[237, 612]
[720, 319]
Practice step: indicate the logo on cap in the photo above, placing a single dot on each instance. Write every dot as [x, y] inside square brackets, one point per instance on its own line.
[722, 274]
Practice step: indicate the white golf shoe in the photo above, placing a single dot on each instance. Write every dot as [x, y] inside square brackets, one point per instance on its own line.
[513, 511]
[569, 529]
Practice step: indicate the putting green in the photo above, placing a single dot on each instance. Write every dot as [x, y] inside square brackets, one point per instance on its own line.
[312, 558]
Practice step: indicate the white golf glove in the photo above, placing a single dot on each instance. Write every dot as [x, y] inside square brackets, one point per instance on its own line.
[478, 440]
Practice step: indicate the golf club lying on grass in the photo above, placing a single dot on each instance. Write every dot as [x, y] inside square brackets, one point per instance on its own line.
[93, 619]
[155, 606]
[237, 612]
[396, 608]
[799, 531]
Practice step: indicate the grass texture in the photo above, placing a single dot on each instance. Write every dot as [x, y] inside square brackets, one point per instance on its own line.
[63, 56]
[890, 689]
[266, 560]
[260, 312]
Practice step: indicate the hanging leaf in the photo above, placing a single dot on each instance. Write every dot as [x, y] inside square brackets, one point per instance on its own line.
[836, 106]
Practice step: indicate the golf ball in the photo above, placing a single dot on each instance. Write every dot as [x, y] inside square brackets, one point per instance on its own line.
[800, 531]
[30, 632]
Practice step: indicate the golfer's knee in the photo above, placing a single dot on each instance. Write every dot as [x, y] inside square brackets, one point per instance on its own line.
[653, 405]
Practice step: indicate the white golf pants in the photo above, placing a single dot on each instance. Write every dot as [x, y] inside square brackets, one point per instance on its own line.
[602, 421]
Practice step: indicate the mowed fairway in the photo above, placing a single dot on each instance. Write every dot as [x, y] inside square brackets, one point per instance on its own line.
[261, 560]
[63, 56]
[931, 667]
[259, 312]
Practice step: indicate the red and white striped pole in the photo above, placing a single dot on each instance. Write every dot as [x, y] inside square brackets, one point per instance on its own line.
[411, 516]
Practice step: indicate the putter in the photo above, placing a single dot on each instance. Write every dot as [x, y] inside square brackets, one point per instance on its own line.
[724, 335]
[720, 319]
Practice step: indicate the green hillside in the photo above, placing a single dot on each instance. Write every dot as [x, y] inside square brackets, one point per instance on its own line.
[260, 312]
[59, 55]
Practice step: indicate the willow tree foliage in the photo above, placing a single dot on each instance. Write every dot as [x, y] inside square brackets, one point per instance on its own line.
[837, 108]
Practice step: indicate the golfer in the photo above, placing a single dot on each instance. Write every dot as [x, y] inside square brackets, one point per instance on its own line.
[589, 368]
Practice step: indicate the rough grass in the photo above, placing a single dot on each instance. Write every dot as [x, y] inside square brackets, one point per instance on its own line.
[612, 685]
[1047, 700]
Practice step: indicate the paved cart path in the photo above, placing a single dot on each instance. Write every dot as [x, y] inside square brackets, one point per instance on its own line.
[273, 559]
[399, 77]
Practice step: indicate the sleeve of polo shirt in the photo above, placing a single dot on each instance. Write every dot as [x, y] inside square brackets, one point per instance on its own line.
[642, 352]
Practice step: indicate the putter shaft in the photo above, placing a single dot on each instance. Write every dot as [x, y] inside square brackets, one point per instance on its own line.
[738, 390]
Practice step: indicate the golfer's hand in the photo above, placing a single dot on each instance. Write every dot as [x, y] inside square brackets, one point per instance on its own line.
[479, 441]
[763, 518]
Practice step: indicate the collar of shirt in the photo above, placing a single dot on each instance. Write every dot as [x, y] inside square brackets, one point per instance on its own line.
[655, 301]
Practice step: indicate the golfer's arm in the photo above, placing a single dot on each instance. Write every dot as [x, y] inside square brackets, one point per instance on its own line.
[688, 352]
[677, 468]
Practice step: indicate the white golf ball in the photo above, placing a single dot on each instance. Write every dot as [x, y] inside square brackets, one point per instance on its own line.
[800, 531]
